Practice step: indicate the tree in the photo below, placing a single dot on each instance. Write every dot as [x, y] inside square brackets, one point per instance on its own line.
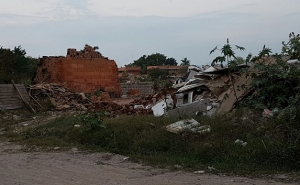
[14, 65]
[185, 62]
[292, 47]
[276, 84]
[227, 52]
[227, 55]
[239, 60]
[171, 62]
[156, 59]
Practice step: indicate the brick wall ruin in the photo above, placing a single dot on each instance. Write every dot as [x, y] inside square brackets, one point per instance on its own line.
[81, 71]
[145, 88]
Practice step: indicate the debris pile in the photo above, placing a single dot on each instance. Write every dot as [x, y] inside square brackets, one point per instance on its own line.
[59, 98]
[205, 92]
[114, 109]
[188, 125]
[56, 96]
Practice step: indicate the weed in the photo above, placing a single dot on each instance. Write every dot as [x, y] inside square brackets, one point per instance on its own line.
[92, 121]
[272, 144]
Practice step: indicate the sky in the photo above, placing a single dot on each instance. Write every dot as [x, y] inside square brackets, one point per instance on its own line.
[124, 30]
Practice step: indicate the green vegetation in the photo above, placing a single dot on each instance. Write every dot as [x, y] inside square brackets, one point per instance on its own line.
[272, 144]
[185, 62]
[15, 65]
[228, 56]
[158, 74]
[276, 84]
[227, 52]
[156, 59]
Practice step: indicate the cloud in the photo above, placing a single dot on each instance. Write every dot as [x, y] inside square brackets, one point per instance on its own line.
[164, 8]
[27, 7]
[28, 12]
[126, 30]
[53, 10]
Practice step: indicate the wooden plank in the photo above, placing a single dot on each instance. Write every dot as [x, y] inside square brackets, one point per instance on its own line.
[10, 100]
[10, 106]
[9, 97]
[9, 94]
[26, 102]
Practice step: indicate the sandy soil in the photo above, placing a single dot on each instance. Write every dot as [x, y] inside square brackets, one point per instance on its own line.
[123, 101]
[75, 167]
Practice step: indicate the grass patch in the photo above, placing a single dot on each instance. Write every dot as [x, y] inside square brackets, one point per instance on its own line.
[272, 144]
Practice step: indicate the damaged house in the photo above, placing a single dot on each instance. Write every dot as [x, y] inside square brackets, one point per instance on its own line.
[81, 71]
[205, 91]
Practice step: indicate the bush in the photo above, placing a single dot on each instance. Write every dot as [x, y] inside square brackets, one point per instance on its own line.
[14, 65]
[276, 84]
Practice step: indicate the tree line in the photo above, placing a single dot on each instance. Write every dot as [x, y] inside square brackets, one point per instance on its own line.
[15, 65]
[156, 59]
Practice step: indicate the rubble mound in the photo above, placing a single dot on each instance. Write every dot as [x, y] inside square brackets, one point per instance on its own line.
[56, 97]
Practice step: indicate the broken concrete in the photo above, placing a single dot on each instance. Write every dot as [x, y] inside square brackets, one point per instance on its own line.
[188, 125]
[159, 108]
[189, 109]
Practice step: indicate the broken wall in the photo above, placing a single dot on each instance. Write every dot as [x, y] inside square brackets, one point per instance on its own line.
[189, 109]
[145, 88]
[84, 71]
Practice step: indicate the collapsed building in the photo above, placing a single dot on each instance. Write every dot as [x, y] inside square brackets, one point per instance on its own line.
[205, 91]
[81, 71]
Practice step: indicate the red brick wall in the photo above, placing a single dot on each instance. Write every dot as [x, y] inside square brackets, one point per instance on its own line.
[85, 72]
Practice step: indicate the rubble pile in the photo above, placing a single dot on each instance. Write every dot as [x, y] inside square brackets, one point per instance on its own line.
[205, 91]
[114, 109]
[144, 100]
[61, 99]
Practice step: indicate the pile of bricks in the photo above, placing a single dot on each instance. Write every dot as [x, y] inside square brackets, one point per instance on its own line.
[62, 99]
[113, 109]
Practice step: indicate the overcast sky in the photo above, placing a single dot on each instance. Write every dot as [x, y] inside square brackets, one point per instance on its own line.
[124, 30]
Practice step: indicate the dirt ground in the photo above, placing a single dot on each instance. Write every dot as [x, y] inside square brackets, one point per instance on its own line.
[74, 167]
[123, 101]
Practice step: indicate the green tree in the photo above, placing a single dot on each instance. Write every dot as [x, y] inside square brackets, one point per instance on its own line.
[228, 55]
[156, 59]
[14, 65]
[276, 84]
[185, 62]
[292, 47]
[171, 62]
[239, 60]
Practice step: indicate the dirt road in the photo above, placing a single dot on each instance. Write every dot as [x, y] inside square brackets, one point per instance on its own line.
[73, 167]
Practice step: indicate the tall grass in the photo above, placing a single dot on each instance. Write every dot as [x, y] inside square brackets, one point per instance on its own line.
[272, 144]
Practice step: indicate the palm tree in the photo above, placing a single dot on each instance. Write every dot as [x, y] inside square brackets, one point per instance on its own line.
[185, 62]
